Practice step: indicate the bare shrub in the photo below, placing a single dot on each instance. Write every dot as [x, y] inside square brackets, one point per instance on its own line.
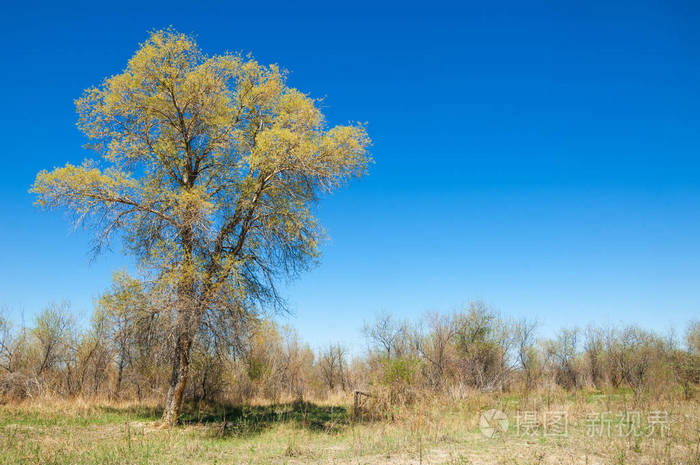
[332, 363]
[482, 344]
[387, 336]
[562, 358]
[123, 350]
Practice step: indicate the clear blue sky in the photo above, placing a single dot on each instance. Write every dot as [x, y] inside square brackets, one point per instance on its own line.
[544, 158]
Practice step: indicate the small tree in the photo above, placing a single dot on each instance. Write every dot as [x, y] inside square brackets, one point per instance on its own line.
[53, 332]
[686, 364]
[562, 354]
[127, 314]
[526, 354]
[692, 337]
[594, 346]
[7, 343]
[483, 342]
[436, 347]
[387, 336]
[210, 166]
[333, 365]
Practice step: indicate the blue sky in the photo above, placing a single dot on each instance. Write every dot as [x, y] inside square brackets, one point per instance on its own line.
[543, 158]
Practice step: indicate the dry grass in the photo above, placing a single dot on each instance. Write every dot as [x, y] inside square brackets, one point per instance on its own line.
[431, 430]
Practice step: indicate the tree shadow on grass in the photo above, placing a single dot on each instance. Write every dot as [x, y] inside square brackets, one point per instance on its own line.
[135, 412]
[247, 420]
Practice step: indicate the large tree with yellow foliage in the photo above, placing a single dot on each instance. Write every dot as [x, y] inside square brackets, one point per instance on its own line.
[208, 169]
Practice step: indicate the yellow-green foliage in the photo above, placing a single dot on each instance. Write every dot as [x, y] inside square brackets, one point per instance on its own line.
[208, 167]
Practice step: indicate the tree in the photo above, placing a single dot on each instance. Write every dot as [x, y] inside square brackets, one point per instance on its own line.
[692, 337]
[562, 352]
[435, 347]
[386, 335]
[209, 169]
[127, 315]
[483, 342]
[594, 346]
[524, 339]
[333, 366]
[54, 332]
[7, 342]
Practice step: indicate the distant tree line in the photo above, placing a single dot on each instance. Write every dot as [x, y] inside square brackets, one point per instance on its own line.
[123, 354]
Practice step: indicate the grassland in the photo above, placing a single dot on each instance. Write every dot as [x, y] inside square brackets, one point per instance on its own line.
[431, 431]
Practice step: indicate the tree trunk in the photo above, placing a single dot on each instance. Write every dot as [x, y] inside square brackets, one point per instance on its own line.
[187, 325]
[120, 373]
[178, 379]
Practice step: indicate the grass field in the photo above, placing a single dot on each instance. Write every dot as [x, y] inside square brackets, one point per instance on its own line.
[431, 431]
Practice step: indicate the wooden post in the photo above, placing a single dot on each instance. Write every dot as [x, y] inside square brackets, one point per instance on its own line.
[356, 403]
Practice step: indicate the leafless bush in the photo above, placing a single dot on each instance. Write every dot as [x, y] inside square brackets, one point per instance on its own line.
[122, 354]
[387, 336]
[528, 357]
[483, 342]
[692, 337]
[437, 348]
[562, 358]
[333, 367]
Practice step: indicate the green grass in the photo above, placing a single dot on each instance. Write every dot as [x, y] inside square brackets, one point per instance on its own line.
[101, 415]
[295, 433]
